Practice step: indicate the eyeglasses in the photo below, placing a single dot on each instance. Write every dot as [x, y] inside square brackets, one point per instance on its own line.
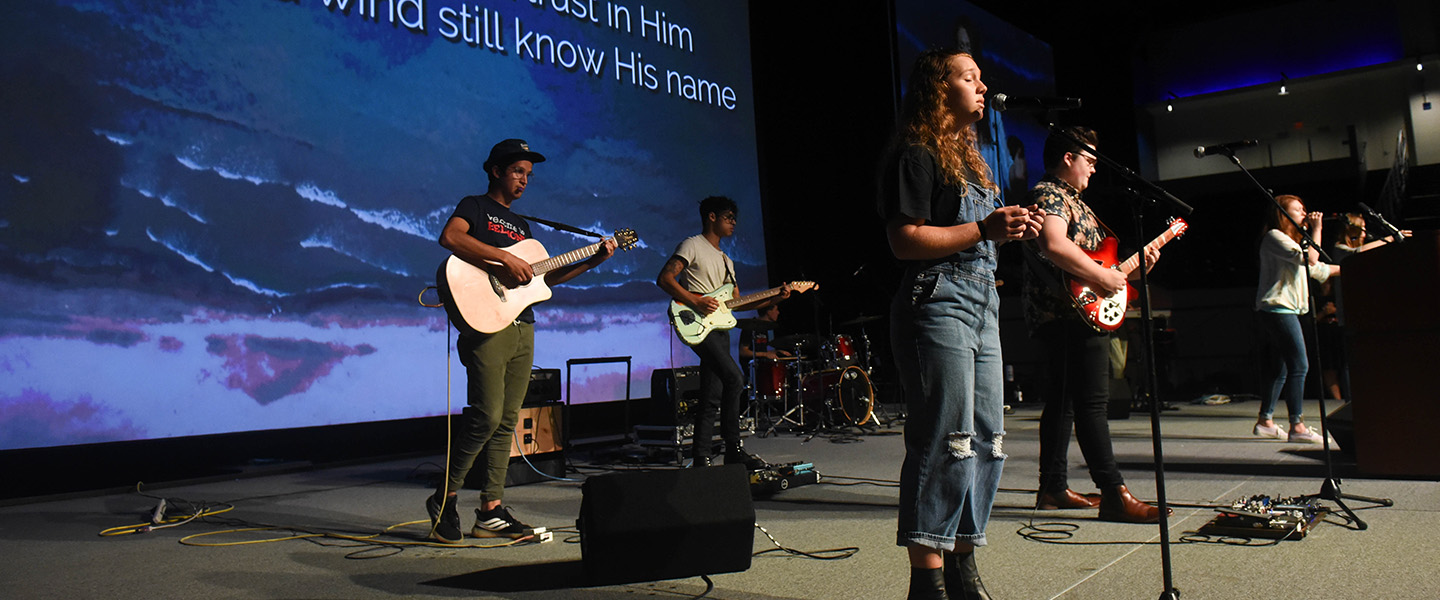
[729, 216]
[519, 173]
[1088, 159]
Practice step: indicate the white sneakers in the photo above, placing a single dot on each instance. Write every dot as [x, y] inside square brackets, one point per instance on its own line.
[1274, 431]
[1269, 431]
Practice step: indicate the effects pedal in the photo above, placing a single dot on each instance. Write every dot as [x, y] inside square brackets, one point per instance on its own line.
[773, 479]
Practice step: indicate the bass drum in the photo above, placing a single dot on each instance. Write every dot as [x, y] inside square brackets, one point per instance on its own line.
[840, 396]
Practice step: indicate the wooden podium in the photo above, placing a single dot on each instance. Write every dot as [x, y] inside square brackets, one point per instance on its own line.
[1392, 339]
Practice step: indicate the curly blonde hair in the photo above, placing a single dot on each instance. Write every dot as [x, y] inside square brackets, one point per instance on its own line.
[926, 120]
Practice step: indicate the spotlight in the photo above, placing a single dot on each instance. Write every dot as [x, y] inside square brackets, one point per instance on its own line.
[1283, 80]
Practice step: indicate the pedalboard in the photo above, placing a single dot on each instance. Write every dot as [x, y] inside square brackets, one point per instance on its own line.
[774, 479]
[1266, 517]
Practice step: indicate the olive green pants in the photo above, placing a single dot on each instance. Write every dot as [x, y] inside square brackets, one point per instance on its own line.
[497, 369]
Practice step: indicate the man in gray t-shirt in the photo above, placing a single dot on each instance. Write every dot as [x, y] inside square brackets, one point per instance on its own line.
[698, 267]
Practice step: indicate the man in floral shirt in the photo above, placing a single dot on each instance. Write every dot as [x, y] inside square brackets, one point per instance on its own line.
[1077, 356]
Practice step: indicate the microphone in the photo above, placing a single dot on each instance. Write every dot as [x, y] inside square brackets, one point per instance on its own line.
[1395, 231]
[1002, 103]
[1227, 149]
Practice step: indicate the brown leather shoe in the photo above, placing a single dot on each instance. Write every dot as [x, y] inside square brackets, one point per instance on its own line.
[1116, 504]
[1066, 499]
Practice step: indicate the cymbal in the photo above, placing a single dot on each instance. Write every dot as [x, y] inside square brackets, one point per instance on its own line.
[755, 324]
[795, 341]
[861, 319]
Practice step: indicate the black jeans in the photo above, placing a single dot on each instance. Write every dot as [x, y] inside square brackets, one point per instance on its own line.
[1076, 396]
[721, 386]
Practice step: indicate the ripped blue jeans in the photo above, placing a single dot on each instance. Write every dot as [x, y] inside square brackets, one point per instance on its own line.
[945, 334]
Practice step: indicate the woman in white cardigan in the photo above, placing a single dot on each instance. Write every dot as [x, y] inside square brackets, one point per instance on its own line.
[1281, 298]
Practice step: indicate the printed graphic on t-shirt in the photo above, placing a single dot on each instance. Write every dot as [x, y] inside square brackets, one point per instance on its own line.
[505, 228]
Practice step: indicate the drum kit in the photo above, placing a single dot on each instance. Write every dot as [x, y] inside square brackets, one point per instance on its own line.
[821, 382]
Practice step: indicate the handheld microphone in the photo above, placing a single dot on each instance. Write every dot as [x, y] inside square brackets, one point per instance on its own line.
[1002, 103]
[1227, 149]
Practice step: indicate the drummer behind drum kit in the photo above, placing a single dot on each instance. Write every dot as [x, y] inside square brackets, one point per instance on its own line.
[824, 383]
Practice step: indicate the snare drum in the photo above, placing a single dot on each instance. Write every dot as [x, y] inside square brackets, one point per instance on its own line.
[839, 396]
[770, 378]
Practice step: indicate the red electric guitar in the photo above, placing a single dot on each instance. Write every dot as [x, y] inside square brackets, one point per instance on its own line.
[1106, 313]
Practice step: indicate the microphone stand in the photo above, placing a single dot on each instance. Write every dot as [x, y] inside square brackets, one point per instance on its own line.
[1394, 231]
[1330, 488]
[1150, 194]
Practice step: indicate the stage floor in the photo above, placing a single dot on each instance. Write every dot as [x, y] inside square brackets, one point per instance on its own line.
[53, 547]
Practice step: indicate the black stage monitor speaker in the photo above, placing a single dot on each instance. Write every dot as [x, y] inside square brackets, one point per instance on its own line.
[657, 525]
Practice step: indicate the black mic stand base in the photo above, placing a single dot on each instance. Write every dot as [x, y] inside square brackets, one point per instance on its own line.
[1171, 594]
[1330, 490]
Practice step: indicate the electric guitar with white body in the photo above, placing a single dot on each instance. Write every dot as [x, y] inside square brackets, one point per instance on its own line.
[692, 327]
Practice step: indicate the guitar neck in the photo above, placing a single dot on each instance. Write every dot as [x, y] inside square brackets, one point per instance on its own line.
[560, 260]
[1134, 261]
[748, 298]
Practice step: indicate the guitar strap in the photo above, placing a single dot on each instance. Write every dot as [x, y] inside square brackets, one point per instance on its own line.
[562, 226]
[1047, 271]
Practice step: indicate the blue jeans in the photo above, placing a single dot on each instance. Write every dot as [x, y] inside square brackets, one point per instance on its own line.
[945, 334]
[1288, 365]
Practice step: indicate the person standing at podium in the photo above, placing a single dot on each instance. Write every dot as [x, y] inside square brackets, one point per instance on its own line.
[1335, 373]
[1281, 297]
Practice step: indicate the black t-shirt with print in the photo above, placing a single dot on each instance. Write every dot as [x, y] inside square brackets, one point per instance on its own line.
[493, 224]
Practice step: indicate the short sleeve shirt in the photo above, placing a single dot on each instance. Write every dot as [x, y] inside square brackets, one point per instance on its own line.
[913, 186]
[494, 224]
[1045, 300]
[706, 267]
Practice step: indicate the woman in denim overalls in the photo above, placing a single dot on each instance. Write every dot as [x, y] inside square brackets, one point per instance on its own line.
[944, 220]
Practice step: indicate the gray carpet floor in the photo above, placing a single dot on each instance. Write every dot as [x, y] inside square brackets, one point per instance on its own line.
[53, 547]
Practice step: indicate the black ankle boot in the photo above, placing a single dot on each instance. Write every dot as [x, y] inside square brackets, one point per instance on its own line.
[962, 578]
[927, 584]
[735, 454]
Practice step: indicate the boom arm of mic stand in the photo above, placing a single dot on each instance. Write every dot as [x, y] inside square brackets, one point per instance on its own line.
[1151, 190]
[1305, 241]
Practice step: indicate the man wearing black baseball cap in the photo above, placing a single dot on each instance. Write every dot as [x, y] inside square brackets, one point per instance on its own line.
[497, 365]
[507, 152]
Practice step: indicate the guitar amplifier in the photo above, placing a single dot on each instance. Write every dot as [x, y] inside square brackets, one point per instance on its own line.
[544, 387]
[673, 396]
